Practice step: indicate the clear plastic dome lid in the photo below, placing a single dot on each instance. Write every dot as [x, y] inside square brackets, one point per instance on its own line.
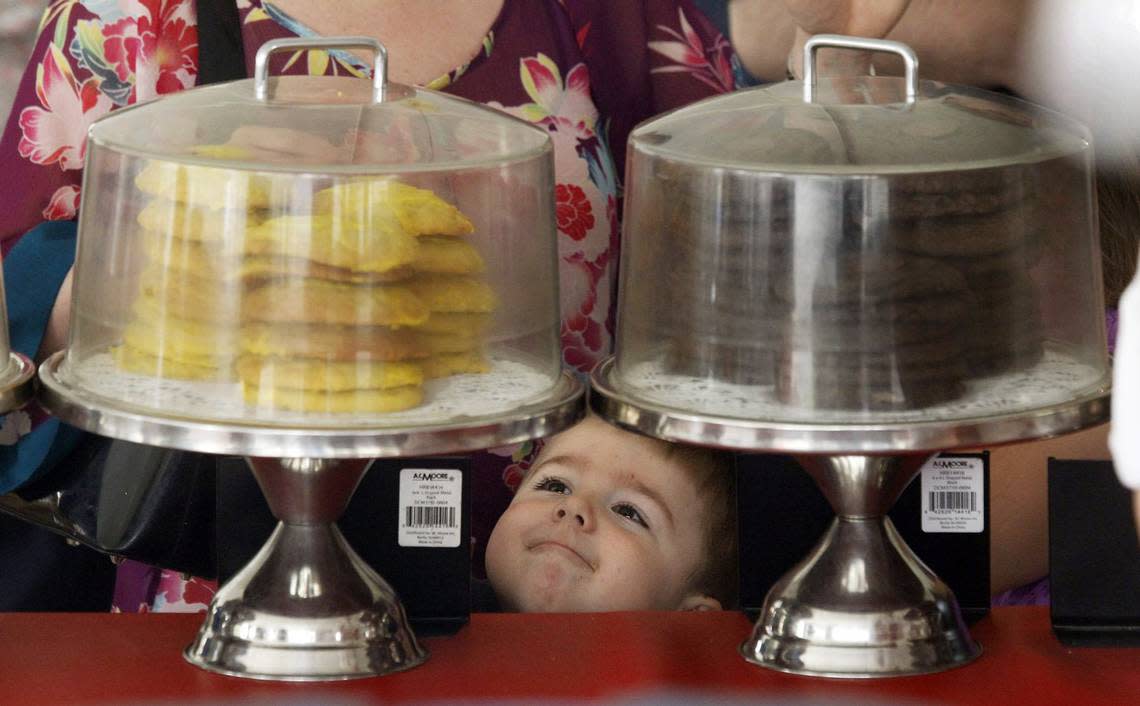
[859, 125]
[315, 251]
[860, 250]
[332, 124]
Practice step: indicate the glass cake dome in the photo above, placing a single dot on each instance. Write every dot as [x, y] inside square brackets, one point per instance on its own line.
[860, 250]
[315, 250]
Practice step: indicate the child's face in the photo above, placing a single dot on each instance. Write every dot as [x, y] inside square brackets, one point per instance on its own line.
[604, 522]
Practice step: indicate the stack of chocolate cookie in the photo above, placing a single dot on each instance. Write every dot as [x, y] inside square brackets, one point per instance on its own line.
[872, 333]
[886, 294]
[720, 257]
[983, 223]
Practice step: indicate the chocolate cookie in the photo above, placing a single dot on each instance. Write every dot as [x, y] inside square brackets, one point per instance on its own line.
[875, 332]
[960, 193]
[965, 235]
[904, 377]
[738, 363]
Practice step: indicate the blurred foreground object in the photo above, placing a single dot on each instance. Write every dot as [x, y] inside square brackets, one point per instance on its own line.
[1122, 439]
[17, 34]
[1080, 58]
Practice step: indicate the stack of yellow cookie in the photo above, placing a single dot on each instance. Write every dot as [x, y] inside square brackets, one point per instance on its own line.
[346, 307]
[384, 257]
[184, 318]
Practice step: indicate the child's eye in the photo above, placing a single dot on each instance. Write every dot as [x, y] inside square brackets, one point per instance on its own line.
[630, 513]
[552, 485]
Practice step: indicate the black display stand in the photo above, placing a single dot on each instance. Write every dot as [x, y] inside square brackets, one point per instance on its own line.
[1094, 556]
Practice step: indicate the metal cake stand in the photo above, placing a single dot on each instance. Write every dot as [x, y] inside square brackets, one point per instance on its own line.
[17, 372]
[306, 607]
[861, 604]
[17, 381]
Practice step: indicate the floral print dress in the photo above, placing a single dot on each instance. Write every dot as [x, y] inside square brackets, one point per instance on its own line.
[554, 63]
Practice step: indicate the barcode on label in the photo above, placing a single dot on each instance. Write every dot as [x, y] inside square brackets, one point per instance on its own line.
[951, 501]
[429, 517]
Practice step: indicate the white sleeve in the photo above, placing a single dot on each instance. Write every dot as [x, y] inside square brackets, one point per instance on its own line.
[1124, 438]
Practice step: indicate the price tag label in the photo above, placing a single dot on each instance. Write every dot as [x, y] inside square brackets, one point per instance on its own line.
[952, 495]
[430, 507]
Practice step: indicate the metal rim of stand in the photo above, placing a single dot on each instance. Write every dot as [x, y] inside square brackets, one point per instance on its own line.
[17, 382]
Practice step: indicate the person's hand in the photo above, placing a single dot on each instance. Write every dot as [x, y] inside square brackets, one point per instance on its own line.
[864, 18]
[860, 18]
[55, 336]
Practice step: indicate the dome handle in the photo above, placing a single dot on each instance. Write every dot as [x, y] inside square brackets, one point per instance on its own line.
[839, 41]
[379, 66]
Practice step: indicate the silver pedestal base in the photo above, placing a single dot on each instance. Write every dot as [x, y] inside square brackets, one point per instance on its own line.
[861, 605]
[306, 609]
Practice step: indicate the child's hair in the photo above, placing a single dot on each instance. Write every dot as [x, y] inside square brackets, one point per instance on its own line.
[714, 474]
[1118, 196]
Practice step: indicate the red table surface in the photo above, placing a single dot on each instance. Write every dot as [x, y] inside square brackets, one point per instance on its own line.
[85, 658]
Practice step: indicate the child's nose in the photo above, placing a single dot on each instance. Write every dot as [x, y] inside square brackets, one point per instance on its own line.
[562, 515]
[576, 512]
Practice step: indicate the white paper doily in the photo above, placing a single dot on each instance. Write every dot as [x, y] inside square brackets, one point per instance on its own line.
[1058, 378]
[508, 386]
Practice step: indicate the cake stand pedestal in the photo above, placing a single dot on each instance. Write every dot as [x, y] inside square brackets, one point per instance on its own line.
[861, 604]
[306, 607]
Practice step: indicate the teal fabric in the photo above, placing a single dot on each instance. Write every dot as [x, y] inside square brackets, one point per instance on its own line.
[34, 271]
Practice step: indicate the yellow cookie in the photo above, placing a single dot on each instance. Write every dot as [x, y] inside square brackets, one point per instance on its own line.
[257, 267]
[206, 260]
[209, 187]
[183, 295]
[318, 301]
[196, 223]
[444, 364]
[180, 339]
[453, 294]
[420, 211]
[333, 342]
[223, 151]
[438, 254]
[180, 313]
[448, 342]
[135, 361]
[457, 323]
[380, 246]
[314, 374]
[392, 399]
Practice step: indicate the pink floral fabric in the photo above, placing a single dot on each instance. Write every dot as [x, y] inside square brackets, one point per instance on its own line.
[89, 59]
[587, 71]
[140, 588]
